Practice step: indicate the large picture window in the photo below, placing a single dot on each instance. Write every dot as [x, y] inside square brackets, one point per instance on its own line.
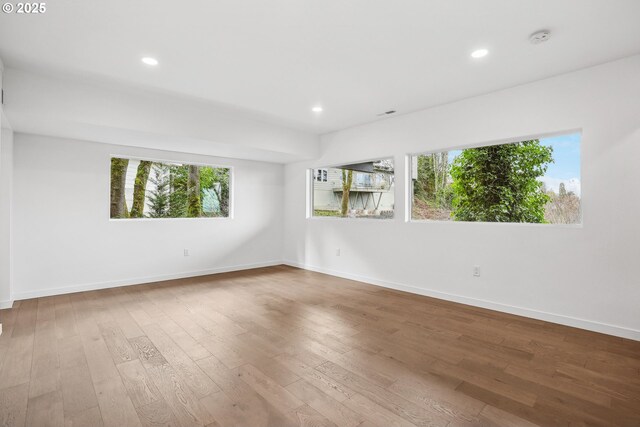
[532, 181]
[150, 189]
[357, 190]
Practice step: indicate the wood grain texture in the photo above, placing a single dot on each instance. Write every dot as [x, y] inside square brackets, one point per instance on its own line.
[13, 405]
[139, 385]
[281, 346]
[46, 410]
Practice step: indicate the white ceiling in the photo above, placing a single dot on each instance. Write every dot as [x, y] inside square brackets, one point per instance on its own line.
[278, 58]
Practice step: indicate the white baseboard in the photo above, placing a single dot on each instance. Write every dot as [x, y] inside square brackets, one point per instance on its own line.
[590, 325]
[137, 281]
[6, 304]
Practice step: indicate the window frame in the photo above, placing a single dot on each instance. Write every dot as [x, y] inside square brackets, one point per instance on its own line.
[181, 162]
[408, 190]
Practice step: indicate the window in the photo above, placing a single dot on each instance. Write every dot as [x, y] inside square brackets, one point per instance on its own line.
[320, 175]
[531, 181]
[359, 190]
[150, 189]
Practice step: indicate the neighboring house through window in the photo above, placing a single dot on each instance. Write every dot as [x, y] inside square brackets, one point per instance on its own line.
[320, 175]
[367, 193]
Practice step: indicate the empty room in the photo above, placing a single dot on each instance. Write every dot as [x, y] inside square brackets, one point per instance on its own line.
[351, 213]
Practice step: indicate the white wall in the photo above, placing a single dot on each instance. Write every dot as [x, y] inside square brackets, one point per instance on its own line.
[64, 240]
[6, 175]
[578, 276]
[103, 111]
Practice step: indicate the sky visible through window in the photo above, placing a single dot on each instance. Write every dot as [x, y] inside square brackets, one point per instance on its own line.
[566, 166]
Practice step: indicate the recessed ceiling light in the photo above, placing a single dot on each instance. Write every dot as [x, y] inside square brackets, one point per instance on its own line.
[150, 61]
[479, 53]
[317, 109]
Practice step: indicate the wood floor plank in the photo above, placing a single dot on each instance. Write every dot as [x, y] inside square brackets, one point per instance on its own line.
[491, 416]
[358, 363]
[223, 350]
[115, 405]
[325, 383]
[238, 404]
[71, 352]
[65, 317]
[122, 317]
[375, 413]
[415, 414]
[100, 363]
[325, 405]
[280, 346]
[16, 367]
[139, 385]
[305, 415]
[78, 393]
[487, 382]
[46, 410]
[157, 414]
[147, 351]
[13, 405]
[268, 388]
[437, 395]
[183, 403]
[45, 351]
[276, 370]
[120, 349]
[89, 417]
[186, 342]
[223, 409]
[45, 383]
[191, 374]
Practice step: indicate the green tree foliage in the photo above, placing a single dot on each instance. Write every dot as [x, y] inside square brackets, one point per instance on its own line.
[140, 188]
[158, 203]
[217, 179]
[499, 183]
[431, 184]
[178, 176]
[347, 180]
[118, 206]
[194, 203]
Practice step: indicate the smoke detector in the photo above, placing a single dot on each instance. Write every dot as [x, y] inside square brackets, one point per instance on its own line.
[540, 36]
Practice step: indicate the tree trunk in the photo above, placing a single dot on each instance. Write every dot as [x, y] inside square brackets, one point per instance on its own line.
[347, 179]
[140, 188]
[194, 209]
[222, 193]
[118, 180]
[436, 177]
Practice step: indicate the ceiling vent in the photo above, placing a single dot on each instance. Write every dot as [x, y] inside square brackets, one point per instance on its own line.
[540, 36]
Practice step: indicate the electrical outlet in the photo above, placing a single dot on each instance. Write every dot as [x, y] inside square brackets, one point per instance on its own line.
[338, 252]
[476, 270]
[186, 252]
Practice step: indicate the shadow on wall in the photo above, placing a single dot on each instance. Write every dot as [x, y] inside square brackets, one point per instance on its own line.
[259, 235]
[354, 254]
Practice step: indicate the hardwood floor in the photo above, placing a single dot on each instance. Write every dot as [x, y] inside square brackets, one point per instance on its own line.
[281, 346]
